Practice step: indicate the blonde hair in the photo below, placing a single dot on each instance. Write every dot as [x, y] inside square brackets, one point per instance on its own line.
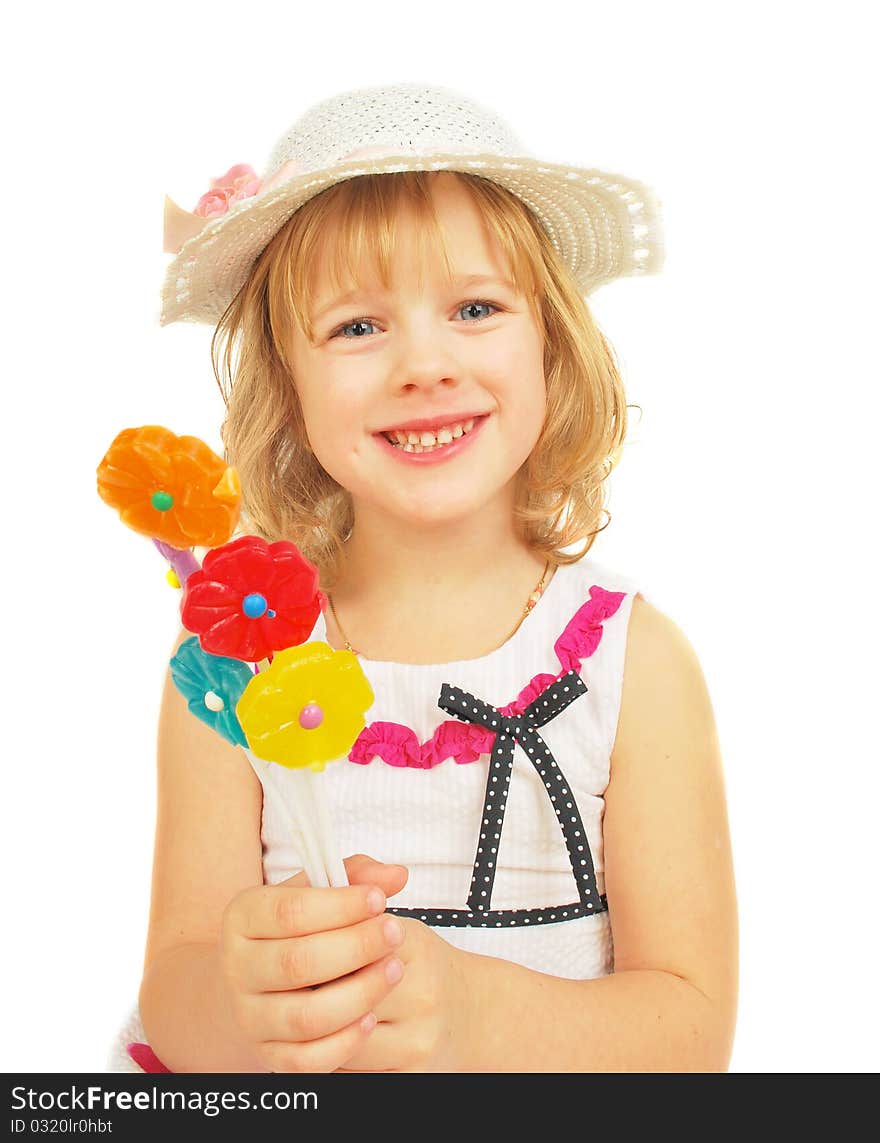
[287, 494]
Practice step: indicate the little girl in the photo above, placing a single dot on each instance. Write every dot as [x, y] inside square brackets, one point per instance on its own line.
[419, 398]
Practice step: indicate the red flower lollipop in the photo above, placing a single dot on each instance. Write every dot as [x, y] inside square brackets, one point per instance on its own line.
[251, 599]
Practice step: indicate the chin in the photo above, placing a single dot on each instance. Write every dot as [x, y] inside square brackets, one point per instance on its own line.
[444, 508]
[431, 515]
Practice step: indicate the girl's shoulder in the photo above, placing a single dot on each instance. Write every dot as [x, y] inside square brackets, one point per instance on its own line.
[593, 594]
[589, 572]
[589, 591]
[583, 614]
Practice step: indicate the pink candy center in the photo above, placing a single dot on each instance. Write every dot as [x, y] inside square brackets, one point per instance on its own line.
[311, 716]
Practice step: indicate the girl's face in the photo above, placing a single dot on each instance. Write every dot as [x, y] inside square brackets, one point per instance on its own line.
[424, 401]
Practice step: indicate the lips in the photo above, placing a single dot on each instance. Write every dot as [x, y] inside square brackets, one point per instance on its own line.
[439, 445]
[412, 441]
[429, 424]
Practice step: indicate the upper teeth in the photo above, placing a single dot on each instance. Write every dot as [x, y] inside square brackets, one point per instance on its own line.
[426, 438]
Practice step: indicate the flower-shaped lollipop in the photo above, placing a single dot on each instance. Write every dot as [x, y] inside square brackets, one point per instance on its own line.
[174, 489]
[304, 711]
[251, 599]
[212, 686]
[307, 708]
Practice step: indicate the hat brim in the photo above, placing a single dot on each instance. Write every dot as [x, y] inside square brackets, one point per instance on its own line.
[603, 225]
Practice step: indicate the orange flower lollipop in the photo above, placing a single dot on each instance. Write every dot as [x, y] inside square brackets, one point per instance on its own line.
[173, 489]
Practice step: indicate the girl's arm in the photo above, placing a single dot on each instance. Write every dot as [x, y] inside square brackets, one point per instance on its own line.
[207, 849]
[671, 1003]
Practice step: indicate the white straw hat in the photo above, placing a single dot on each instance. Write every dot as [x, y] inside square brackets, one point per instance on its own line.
[603, 225]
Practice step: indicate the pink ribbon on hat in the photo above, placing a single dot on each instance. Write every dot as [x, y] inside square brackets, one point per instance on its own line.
[240, 182]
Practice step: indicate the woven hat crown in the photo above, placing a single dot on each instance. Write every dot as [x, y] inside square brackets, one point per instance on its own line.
[403, 119]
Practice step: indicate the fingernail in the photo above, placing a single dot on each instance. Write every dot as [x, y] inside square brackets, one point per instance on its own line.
[393, 971]
[368, 1023]
[393, 932]
[375, 900]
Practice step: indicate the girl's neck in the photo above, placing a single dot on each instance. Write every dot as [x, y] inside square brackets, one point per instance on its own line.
[431, 594]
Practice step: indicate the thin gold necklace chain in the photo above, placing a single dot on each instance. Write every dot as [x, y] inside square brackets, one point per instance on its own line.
[536, 594]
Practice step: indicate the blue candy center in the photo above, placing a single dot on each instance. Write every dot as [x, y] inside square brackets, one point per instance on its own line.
[254, 605]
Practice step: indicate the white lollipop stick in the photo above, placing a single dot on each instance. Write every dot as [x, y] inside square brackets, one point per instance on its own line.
[333, 863]
[312, 812]
[301, 822]
[305, 811]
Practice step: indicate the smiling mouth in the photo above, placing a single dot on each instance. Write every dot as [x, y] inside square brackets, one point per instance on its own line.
[424, 440]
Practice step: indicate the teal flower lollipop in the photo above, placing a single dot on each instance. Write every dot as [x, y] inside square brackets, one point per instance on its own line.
[212, 686]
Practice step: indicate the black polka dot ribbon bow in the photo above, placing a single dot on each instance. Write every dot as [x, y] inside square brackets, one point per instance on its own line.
[510, 730]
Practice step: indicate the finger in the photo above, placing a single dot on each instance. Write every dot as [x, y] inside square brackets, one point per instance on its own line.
[391, 1048]
[276, 912]
[399, 1004]
[362, 870]
[324, 1055]
[277, 966]
[359, 868]
[311, 1014]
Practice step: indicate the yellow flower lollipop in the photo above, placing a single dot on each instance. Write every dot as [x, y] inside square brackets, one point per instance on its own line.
[305, 710]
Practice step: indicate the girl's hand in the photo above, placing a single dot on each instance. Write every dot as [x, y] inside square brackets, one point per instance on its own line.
[305, 968]
[423, 1023]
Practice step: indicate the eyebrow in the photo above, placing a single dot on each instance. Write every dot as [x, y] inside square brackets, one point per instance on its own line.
[460, 282]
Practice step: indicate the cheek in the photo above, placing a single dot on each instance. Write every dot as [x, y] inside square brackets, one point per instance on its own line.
[530, 430]
[334, 421]
[533, 403]
[523, 357]
[521, 377]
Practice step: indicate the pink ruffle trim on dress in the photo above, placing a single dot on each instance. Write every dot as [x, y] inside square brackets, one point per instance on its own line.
[398, 745]
[464, 742]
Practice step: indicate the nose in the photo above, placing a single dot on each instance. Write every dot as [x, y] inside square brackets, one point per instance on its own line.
[424, 361]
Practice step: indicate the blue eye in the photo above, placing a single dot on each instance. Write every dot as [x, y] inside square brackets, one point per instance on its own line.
[476, 305]
[359, 325]
[353, 325]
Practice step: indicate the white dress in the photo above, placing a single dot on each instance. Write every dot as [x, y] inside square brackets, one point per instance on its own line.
[494, 799]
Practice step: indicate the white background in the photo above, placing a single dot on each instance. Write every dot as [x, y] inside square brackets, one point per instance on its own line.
[744, 503]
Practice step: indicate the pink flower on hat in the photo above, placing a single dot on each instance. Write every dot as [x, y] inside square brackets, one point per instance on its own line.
[240, 181]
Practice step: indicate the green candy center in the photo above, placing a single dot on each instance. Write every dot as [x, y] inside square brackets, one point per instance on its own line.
[162, 501]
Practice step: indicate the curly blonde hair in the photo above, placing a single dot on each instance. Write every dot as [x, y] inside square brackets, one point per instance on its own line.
[287, 494]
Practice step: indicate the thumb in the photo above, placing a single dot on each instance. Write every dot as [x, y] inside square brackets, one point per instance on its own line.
[364, 870]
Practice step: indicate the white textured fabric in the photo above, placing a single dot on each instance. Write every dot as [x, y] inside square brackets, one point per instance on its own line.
[429, 820]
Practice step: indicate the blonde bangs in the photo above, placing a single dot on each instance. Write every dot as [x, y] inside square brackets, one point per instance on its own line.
[349, 232]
